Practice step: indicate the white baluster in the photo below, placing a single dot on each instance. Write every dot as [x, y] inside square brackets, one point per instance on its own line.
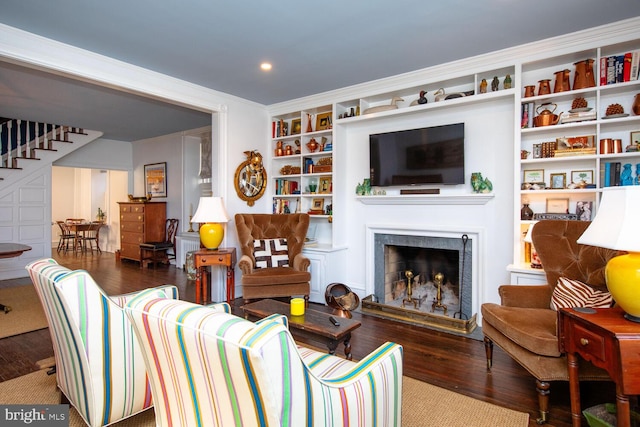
[10, 145]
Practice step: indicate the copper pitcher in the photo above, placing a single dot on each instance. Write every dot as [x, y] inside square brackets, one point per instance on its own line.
[584, 75]
[562, 81]
[529, 91]
[544, 88]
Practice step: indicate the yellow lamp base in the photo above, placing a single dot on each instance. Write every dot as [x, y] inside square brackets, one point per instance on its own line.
[623, 281]
[211, 235]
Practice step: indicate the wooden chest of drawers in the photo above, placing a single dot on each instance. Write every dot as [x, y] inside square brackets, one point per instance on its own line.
[140, 222]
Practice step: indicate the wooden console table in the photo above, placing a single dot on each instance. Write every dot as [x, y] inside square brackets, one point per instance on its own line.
[11, 250]
[609, 341]
[204, 258]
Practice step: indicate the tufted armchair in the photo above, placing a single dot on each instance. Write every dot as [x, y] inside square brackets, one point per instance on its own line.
[210, 368]
[99, 365]
[273, 281]
[525, 326]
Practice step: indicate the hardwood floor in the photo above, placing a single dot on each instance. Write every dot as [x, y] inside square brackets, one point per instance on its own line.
[448, 361]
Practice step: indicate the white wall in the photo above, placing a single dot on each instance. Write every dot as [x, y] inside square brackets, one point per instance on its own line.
[488, 149]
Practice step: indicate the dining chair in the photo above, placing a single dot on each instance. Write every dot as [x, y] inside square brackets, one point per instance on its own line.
[66, 236]
[91, 237]
[154, 252]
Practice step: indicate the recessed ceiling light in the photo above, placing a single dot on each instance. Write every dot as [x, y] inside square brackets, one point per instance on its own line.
[265, 66]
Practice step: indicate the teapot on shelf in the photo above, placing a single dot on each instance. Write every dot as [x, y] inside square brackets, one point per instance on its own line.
[546, 116]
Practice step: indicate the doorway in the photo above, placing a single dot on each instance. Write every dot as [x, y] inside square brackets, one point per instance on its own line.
[79, 192]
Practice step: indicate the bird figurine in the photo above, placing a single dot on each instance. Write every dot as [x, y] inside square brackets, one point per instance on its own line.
[421, 100]
[377, 109]
[495, 84]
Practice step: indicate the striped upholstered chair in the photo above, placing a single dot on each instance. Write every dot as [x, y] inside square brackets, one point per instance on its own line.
[99, 366]
[210, 368]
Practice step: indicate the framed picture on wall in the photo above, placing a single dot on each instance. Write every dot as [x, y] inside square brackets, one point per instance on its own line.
[155, 179]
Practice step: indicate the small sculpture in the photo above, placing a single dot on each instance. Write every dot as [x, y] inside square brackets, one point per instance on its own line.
[379, 108]
[479, 184]
[421, 100]
[483, 86]
[441, 95]
[507, 82]
[626, 177]
[495, 83]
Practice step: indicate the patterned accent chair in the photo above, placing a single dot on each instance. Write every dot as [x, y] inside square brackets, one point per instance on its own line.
[273, 281]
[210, 368]
[99, 365]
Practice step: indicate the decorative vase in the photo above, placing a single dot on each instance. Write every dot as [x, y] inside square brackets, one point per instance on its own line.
[544, 88]
[526, 213]
[636, 105]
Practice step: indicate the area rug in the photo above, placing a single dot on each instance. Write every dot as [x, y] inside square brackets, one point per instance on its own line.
[423, 405]
[26, 313]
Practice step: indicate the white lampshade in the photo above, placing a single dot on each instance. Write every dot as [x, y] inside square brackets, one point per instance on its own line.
[210, 209]
[527, 237]
[616, 225]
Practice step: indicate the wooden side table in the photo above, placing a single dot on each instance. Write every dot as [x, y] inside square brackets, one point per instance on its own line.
[609, 341]
[204, 258]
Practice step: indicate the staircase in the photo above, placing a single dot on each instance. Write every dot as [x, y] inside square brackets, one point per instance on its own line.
[27, 146]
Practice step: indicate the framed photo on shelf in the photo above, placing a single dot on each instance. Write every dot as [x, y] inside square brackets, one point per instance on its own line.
[579, 176]
[533, 175]
[155, 179]
[558, 205]
[558, 181]
[323, 121]
[583, 210]
[296, 126]
[635, 138]
[317, 204]
[325, 185]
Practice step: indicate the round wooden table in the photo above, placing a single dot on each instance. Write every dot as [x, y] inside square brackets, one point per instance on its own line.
[11, 250]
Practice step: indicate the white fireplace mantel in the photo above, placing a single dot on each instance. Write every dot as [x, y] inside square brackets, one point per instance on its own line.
[428, 199]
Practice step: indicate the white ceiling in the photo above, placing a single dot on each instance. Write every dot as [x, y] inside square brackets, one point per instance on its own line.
[314, 47]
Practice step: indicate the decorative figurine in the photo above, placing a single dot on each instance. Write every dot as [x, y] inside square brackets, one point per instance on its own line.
[483, 86]
[626, 177]
[479, 184]
[507, 82]
[495, 83]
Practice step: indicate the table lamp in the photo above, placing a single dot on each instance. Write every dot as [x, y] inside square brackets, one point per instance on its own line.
[211, 214]
[534, 258]
[616, 227]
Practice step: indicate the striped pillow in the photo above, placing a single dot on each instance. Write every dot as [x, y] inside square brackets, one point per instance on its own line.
[573, 293]
[271, 253]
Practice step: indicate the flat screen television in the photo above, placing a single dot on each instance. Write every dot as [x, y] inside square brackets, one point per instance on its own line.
[429, 155]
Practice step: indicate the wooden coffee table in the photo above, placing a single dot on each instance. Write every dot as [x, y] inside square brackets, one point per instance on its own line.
[312, 325]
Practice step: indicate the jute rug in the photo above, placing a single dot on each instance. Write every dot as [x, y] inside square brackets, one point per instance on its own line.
[423, 405]
[26, 313]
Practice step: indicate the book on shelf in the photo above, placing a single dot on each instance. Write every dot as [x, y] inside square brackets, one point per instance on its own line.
[612, 171]
[619, 68]
[578, 116]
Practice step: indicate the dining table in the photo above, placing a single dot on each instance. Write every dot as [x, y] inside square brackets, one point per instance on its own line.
[80, 228]
[11, 250]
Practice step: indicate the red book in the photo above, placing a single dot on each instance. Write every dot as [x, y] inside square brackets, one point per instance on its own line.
[626, 70]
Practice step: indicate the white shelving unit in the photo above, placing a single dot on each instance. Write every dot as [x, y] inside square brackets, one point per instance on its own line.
[598, 98]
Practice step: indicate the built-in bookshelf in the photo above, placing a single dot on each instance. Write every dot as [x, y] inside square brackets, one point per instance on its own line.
[585, 141]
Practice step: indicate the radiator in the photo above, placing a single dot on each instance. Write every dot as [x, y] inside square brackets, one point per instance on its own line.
[185, 243]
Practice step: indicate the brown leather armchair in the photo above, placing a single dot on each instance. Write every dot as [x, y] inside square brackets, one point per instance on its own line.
[525, 326]
[273, 281]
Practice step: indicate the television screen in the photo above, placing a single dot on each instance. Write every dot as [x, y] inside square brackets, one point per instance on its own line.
[430, 155]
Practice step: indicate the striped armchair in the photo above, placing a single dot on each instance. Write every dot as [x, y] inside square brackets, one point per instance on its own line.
[99, 366]
[210, 368]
